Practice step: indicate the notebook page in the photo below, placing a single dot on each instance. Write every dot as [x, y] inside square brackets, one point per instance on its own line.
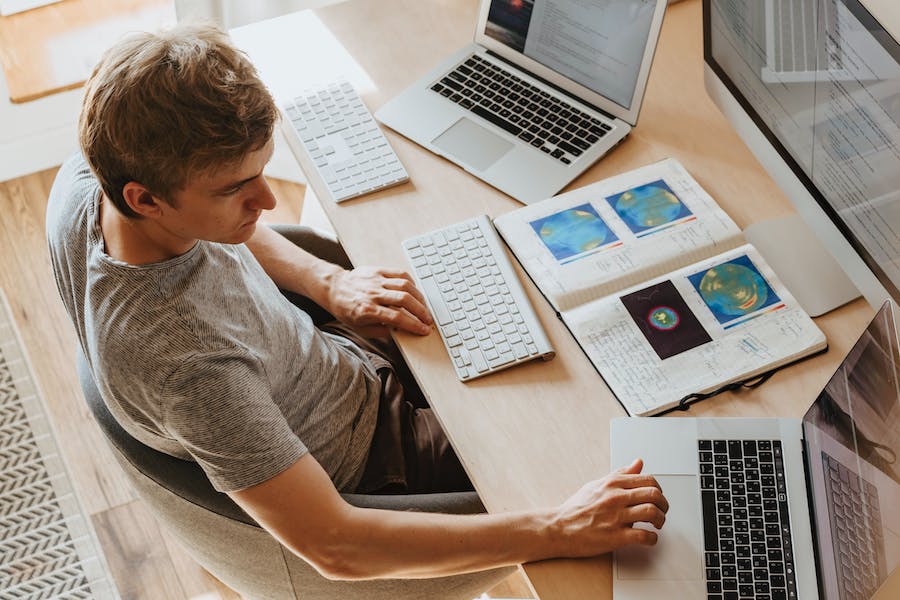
[595, 240]
[721, 320]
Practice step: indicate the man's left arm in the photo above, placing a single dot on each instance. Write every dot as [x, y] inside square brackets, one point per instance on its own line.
[365, 296]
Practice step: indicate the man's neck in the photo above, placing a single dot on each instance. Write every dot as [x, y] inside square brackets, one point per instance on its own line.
[137, 241]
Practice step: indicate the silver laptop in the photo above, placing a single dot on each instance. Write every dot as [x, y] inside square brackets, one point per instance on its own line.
[546, 89]
[777, 508]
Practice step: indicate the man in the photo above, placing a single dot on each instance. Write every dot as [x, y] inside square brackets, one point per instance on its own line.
[176, 297]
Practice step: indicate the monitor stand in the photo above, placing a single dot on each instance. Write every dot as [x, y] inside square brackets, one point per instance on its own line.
[802, 263]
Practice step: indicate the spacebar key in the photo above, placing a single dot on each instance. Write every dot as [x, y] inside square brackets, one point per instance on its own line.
[502, 124]
[710, 526]
[438, 308]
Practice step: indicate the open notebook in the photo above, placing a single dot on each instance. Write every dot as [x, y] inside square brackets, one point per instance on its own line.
[659, 287]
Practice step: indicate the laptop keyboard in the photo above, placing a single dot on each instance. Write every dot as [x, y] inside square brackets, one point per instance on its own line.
[747, 532]
[856, 531]
[522, 109]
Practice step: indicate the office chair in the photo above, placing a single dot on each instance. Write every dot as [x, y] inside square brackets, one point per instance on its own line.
[228, 543]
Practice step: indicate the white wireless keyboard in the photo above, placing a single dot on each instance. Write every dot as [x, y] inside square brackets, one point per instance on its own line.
[344, 142]
[484, 317]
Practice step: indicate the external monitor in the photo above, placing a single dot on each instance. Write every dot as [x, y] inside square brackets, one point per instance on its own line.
[813, 88]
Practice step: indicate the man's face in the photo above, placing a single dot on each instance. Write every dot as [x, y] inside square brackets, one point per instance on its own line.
[223, 204]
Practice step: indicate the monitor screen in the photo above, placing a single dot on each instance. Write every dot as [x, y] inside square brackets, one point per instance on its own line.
[821, 80]
[599, 44]
[852, 439]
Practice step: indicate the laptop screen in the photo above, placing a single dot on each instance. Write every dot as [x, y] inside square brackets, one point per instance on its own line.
[852, 438]
[599, 44]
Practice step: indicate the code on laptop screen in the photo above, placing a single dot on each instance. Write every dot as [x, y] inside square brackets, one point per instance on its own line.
[596, 43]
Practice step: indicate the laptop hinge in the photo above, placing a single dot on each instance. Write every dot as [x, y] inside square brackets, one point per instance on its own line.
[812, 516]
[558, 89]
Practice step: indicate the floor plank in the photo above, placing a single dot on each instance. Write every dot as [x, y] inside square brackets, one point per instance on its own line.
[49, 339]
[137, 554]
[195, 581]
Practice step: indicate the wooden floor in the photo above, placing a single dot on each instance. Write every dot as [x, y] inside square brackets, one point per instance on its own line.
[145, 561]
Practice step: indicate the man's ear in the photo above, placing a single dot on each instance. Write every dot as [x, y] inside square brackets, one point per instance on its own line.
[141, 200]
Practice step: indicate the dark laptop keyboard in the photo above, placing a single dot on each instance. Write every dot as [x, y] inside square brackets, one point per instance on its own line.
[747, 532]
[513, 104]
[856, 531]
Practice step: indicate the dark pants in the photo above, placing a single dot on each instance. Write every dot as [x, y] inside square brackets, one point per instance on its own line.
[410, 453]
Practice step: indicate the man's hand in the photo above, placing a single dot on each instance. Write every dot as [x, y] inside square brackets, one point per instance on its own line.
[599, 517]
[379, 297]
[367, 297]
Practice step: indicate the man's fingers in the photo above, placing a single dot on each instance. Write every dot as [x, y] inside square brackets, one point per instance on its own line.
[401, 319]
[394, 273]
[639, 536]
[415, 306]
[375, 296]
[412, 304]
[628, 482]
[633, 469]
[405, 285]
[648, 495]
[646, 513]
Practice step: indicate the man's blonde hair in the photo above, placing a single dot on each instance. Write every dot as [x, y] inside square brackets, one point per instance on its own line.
[159, 108]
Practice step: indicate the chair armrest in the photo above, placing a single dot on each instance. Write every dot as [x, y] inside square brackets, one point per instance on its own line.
[457, 503]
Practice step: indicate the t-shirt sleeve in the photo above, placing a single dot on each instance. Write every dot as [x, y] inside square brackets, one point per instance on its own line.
[220, 408]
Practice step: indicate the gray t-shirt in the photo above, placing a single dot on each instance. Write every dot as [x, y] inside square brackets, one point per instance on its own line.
[201, 357]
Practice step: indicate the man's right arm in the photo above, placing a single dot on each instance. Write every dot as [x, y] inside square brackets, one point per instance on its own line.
[303, 510]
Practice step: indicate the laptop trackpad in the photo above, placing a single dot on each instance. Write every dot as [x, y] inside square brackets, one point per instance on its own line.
[472, 144]
[677, 554]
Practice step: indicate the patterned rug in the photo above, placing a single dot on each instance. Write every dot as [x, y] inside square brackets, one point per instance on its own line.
[47, 546]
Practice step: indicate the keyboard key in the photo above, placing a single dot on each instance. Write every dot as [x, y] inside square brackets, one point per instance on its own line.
[450, 83]
[574, 151]
[496, 120]
[438, 309]
[580, 143]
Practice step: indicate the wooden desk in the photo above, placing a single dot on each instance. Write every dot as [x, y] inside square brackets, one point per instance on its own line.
[532, 435]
